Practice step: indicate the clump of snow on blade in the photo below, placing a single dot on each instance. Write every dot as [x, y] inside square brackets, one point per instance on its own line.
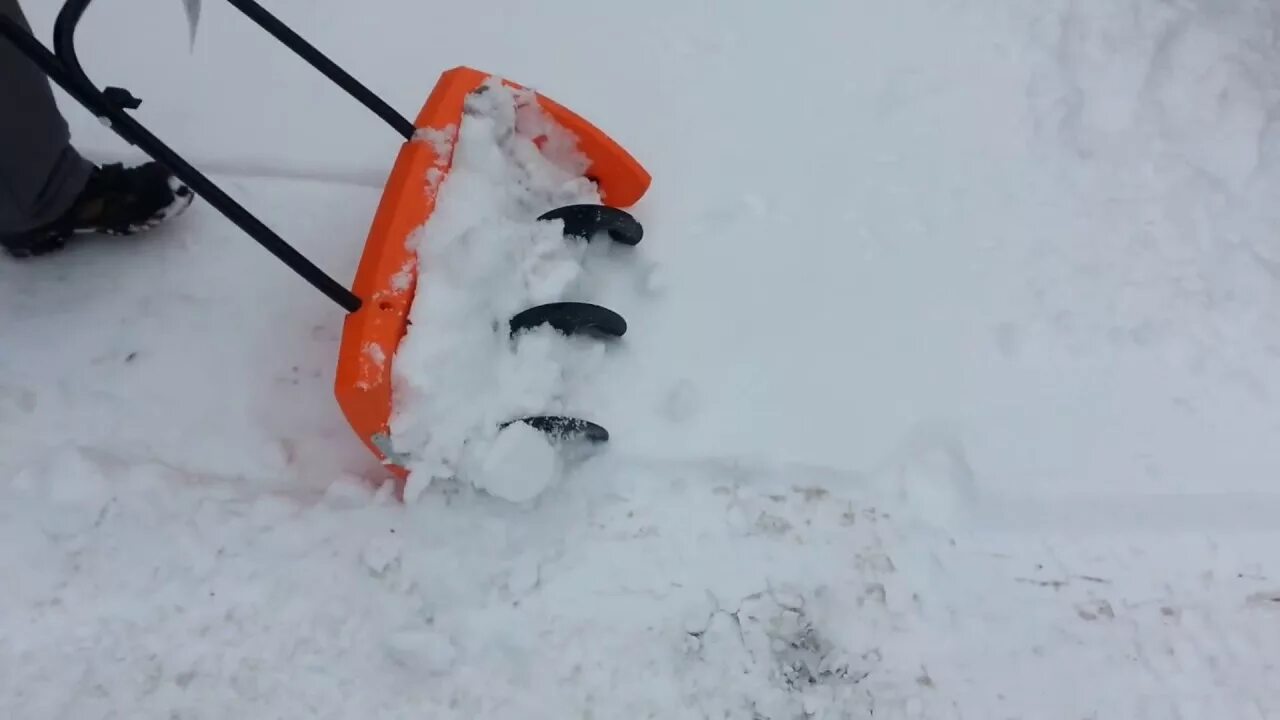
[403, 280]
[519, 465]
[482, 258]
[375, 353]
[441, 140]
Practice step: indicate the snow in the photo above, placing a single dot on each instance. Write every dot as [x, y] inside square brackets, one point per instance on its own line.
[459, 376]
[946, 392]
[519, 465]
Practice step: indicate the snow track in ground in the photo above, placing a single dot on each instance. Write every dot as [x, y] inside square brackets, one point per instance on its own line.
[685, 589]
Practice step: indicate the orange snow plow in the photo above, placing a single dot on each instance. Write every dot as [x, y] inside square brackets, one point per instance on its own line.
[386, 276]
[382, 295]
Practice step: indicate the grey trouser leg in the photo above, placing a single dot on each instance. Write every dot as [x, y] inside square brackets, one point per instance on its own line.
[40, 173]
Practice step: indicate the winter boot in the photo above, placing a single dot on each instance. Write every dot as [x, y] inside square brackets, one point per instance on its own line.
[115, 201]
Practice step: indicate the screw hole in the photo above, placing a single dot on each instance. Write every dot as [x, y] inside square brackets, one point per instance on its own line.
[384, 305]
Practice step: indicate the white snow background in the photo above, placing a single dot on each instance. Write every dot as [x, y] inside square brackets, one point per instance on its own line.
[948, 390]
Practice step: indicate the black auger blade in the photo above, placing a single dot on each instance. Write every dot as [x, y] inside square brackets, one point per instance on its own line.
[560, 427]
[585, 221]
[571, 318]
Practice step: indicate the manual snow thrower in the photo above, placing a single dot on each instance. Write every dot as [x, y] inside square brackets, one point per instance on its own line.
[379, 300]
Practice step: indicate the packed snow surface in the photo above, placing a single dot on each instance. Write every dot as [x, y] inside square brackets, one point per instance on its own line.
[949, 386]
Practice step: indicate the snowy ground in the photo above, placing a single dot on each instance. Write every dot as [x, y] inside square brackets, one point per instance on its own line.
[948, 389]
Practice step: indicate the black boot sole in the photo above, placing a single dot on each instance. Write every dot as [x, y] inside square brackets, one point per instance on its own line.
[49, 240]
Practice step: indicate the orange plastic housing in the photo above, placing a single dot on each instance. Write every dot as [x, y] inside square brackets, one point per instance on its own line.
[386, 277]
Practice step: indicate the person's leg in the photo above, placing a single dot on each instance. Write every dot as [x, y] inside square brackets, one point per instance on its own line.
[41, 174]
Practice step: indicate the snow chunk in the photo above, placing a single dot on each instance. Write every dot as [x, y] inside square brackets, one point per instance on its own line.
[441, 141]
[381, 553]
[403, 280]
[375, 353]
[427, 650]
[347, 493]
[519, 466]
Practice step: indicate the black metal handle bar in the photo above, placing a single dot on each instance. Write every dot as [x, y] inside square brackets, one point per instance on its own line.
[110, 105]
[327, 67]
